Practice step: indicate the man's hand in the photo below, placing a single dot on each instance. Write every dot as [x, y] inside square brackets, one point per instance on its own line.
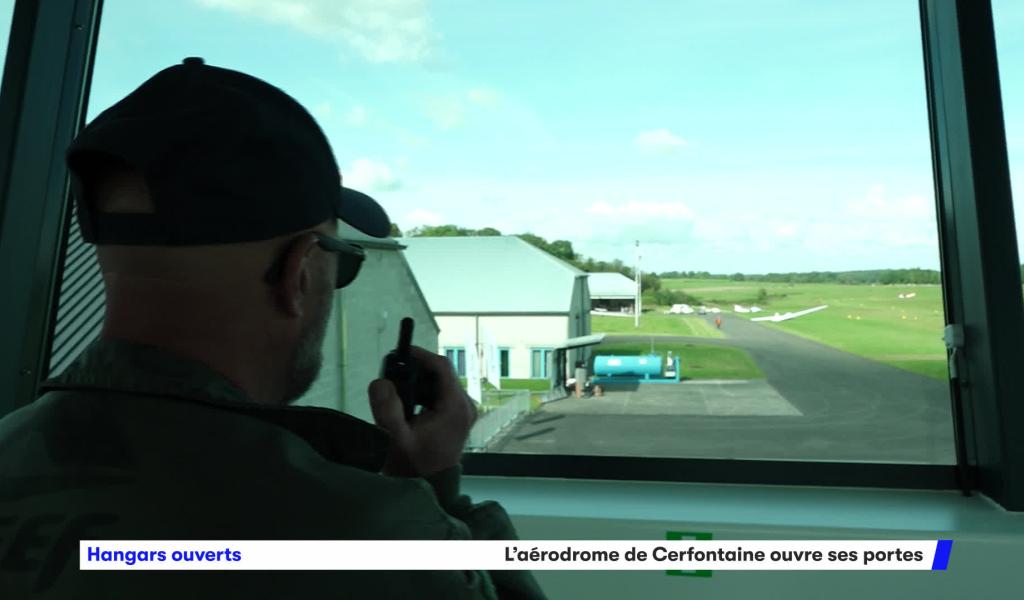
[433, 440]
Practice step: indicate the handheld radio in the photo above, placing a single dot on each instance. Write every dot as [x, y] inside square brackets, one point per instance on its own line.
[399, 368]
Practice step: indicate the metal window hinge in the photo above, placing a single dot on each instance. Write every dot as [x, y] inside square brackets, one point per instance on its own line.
[953, 335]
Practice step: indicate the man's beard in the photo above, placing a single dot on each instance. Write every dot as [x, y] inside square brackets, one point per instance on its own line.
[308, 357]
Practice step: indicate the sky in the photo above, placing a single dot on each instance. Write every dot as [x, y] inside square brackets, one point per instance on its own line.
[727, 136]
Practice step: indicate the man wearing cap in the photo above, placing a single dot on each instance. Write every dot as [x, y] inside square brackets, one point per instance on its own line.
[212, 198]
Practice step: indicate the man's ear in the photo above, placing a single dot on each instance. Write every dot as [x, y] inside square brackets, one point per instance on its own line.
[297, 276]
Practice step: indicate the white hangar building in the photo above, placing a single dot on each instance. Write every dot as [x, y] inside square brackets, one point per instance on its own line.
[503, 292]
[613, 292]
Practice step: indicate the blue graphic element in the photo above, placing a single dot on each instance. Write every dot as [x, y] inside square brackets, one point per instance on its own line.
[942, 549]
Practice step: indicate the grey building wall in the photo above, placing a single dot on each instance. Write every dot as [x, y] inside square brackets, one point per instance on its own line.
[371, 309]
[328, 388]
[81, 301]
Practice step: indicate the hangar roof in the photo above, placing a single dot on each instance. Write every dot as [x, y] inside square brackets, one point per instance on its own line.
[490, 274]
[611, 286]
[347, 232]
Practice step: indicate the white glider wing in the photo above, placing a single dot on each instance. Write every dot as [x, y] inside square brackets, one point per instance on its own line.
[790, 315]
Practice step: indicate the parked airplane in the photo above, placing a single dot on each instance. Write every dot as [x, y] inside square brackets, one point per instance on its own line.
[677, 309]
[743, 309]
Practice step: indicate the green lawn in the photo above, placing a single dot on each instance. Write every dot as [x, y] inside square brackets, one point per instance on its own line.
[655, 323]
[699, 361]
[534, 385]
[867, 320]
[537, 388]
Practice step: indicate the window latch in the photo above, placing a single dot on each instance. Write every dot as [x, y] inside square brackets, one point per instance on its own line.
[954, 338]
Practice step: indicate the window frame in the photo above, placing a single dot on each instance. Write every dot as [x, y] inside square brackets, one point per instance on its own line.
[980, 263]
[43, 97]
[504, 361]
[45, 86]
[545, 362]
[458, 360]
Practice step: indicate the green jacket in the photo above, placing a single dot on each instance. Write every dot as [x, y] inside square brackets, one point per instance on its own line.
[133, 442]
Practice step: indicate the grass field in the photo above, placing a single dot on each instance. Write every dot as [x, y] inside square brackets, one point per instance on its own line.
[699, 361]
[536, 387]
[654, 323]
[868, 320]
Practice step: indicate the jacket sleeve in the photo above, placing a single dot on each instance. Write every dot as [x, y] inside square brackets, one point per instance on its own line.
[486, 521]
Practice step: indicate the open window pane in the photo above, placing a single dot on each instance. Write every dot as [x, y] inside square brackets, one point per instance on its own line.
[6, 12]
[762, 170]
[1008, 18]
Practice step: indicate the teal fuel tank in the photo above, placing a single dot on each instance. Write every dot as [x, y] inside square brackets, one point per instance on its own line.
[636, 366]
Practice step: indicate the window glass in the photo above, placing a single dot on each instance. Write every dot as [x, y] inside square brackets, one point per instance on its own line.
[536, 364]
[6, 12]
[539, 363]
[764, 166]
[457, 356]
[1008, 17]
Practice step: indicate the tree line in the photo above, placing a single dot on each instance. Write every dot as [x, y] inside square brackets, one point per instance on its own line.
[652, 282]
[876, 276]
[558, 248]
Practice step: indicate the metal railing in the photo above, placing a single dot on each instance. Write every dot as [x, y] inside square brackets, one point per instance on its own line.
[498, 410]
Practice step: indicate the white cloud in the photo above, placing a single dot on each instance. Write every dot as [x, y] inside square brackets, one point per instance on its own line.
[785, 229]
[369, 175]
[871, 226]
[446, 113]
[412, 140]
[622, 221]
[378, 30]
[658, 141]
[898, 237]
[356, 116]
[419, 217]
[855, 237]
[877, 205]
[450, 111]
[322, 111]
[633, 210]
[681, 225]
[483, 95]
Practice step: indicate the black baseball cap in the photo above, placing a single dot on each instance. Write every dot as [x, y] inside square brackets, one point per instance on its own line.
[226, 157]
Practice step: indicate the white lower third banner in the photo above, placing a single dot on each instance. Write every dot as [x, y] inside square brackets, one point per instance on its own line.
[566, 555]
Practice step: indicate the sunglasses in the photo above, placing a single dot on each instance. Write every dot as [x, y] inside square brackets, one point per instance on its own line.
[350, 259]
